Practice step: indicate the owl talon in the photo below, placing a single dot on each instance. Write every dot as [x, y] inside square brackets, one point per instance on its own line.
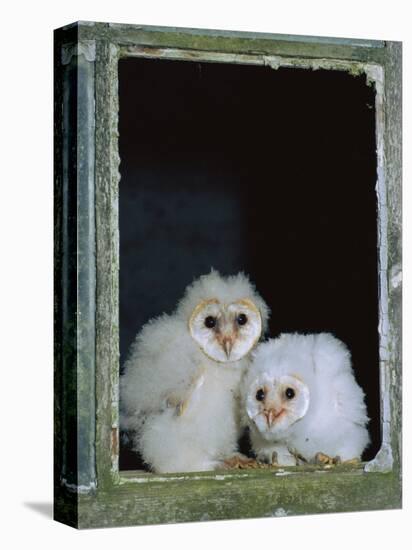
[326, 460]
[240, 462]
[351, 462]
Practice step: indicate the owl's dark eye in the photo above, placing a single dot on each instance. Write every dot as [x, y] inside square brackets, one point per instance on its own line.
[290, 393]
[210, 321]
[241, 319]
[260, 395]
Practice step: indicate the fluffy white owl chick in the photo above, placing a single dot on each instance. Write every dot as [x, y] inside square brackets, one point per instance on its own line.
[179, 395]
[301, 398]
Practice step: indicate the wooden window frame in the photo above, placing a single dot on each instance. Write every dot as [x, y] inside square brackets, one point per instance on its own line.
[89, 489]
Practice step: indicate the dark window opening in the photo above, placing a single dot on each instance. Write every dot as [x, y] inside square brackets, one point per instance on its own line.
[245, 168]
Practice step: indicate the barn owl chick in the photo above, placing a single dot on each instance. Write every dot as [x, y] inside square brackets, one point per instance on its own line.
[301, 399]
[179, 394]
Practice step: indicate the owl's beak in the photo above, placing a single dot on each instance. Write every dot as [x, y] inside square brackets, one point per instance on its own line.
[272, 415]
[227, 345]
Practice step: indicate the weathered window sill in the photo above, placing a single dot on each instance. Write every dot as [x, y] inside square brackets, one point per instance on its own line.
[152, 499]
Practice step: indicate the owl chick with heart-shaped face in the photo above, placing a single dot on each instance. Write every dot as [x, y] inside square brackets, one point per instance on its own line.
[179, 394]
[301, 400]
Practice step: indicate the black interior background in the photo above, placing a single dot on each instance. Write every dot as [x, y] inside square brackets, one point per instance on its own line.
[244, 168]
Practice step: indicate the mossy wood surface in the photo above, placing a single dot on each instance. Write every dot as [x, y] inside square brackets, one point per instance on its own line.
[198, 497]
[89, 490]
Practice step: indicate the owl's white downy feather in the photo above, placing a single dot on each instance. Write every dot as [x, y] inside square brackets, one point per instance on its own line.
[325, 411]
[180, 406]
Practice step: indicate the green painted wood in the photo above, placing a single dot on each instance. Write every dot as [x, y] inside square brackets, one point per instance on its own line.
[233, 34]
[250, 495]
[58, 280]
[233, 42]
[107, 264]
[75, 278]
[393, 176]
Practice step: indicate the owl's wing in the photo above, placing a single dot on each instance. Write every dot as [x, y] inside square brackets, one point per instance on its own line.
[162, 364]
[333, 370]
[348, 399]
[330, 356]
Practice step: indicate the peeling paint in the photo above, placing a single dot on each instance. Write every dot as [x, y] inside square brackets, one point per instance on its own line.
[280, 513]
[383, 461]
[190, 55]
[86, 48]
[274, 61]
[79, 489]
[154, 478]
[396, 276]
[352, 67]
[236, 474]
